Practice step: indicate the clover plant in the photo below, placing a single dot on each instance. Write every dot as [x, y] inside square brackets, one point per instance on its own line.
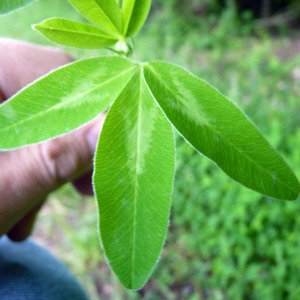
[147, 102]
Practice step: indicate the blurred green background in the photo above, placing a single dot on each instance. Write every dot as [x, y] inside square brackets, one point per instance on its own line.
[224, 241]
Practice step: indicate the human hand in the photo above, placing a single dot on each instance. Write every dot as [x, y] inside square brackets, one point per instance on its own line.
[29, 174]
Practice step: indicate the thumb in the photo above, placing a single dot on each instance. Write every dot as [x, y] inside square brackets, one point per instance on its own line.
[68, 157]
[28, 174]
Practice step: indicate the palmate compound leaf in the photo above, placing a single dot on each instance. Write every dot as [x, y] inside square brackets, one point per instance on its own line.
[133, 177]
[75, 34]
[7, 6]
[219, 130]
[62, 100]
[105, 14]
[134, 13]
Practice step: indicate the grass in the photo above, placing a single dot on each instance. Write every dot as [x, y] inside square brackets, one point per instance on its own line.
[224, 241]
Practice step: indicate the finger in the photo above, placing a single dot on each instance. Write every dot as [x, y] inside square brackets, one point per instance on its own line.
[23, 228]
[69, 157]
[21, 63]
[28, 174]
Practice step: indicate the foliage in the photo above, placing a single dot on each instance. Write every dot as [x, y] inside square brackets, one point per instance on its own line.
[192, 8]
[206, 31]
[243, 250]
[141, 84]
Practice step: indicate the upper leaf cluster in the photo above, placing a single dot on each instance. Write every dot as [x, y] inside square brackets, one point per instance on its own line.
[112, 22]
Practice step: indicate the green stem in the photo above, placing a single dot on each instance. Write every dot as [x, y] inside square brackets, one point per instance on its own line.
[123, 47]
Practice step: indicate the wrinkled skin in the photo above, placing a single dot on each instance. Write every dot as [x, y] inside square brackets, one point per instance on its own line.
[29, 174]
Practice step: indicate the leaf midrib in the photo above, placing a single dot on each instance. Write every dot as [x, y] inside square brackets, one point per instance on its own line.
[57, 106]
[138, 142]
[87, 33]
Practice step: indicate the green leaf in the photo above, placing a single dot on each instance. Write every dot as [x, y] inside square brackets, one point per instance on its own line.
[218, 129]
[62, 100]
[7, 6]
[106, 14]
[134, 170]
[75, 34]
[134, 13]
